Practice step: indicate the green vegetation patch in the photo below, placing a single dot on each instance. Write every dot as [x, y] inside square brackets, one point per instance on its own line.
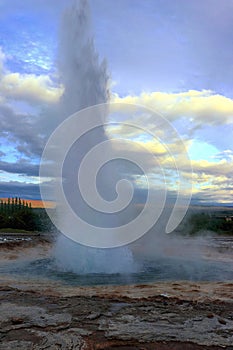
[216, 222]
[18, 215]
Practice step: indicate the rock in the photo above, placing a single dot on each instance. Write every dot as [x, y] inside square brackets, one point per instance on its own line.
[40, 321]
[94, 316]
[222, 321]
[16, 320]
[148, 328]
[65, 340]
[16, 345]
[13, 316]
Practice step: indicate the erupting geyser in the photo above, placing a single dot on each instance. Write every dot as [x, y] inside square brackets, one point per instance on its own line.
[95, 199]
[85, 82]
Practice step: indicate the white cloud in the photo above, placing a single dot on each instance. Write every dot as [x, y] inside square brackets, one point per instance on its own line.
[201, 107]
[31, 88]
[211, 180]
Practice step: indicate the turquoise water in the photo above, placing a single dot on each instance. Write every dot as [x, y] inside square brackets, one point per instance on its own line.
[159, 268]
[149, 271]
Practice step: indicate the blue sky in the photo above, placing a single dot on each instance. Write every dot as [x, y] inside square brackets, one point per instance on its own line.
[173, 56]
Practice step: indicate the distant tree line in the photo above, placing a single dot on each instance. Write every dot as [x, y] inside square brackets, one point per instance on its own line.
[18, 214]
[200, 222]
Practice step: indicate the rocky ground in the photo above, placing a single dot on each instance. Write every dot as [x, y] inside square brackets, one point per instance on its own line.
[167, 316]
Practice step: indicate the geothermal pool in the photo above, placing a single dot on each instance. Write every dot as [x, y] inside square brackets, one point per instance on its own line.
[36, 261]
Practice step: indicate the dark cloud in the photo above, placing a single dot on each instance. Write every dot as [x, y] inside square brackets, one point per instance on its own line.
[18, 189]
[20, 128]
[22, 167]
[25, 190]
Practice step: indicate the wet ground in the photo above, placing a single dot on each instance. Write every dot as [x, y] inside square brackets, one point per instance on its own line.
[40, 313]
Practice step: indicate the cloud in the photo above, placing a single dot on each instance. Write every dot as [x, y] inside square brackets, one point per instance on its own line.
[22, 167]
[214, 175]
[222, 167]
[201, 107]
[183, 45]
[225, 155]
[202, 111]
[19, 189]
[198, 106]
[31, 88]
[2, 61]
[2, 154]
[19, 129]
[212, 196]
[23, 133]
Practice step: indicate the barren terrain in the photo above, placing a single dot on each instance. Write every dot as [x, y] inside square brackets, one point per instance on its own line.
[41, 314]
